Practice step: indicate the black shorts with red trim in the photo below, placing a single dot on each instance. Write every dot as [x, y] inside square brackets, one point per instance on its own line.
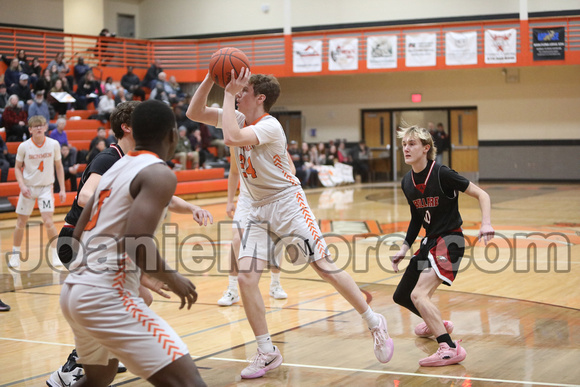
[443, 253]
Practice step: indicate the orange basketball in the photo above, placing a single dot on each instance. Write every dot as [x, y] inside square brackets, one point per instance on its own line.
[223, 61]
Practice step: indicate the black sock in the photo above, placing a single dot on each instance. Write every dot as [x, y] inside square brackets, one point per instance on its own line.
[445, 338]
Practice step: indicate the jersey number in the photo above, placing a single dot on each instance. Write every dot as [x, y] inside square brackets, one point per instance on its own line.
[41, 166]
[93, 222]
[249, 169]
[427, 217]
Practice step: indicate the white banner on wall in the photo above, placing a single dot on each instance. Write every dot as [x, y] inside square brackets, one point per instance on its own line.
[382, 52]
[343, 54]
[460, 48]
[421, 50]
[307, 56]
[501, 46]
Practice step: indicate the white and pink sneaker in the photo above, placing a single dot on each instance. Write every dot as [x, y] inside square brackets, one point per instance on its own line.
[445, 355]
[261, 363]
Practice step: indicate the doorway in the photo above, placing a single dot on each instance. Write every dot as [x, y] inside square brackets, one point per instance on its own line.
[292, 124]
[126, 26]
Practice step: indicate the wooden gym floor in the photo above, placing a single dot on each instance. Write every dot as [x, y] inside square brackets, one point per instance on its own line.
[515, 304]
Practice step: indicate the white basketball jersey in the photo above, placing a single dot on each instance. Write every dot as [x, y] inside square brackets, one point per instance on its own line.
[264, 168]
[102, 263]
[38, 161]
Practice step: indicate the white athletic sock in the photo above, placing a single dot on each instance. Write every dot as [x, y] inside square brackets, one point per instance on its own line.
[275, 279]
[233, 285]
[15, 249]
[265, 343]
[371, 318]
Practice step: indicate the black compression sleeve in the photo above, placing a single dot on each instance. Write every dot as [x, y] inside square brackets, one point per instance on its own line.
[414, 227]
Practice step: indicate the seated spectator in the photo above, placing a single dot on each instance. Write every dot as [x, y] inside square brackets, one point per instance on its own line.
[61, 65]
[39, 107]
[101, 135]
[12, 73]
[100, 146]
[59, 135]
[22, 90]
[4, 162]
[109, 84]
[44, 83]
[80, 70]
[311, 178]
[160, 94]
[36, 69]
[361, 164]
[322, 153]
[59, 107]
[54, 73]
[296, 156]
[332, 155]
[15, 120]
[106, 106]
[120, 97]
[179, 94]
[213, 136]
[195, 140]
[3, 100]
[184, 152]
[70, 169]
[132, 85]
[88, 91]
[153, 71]
[343, 153]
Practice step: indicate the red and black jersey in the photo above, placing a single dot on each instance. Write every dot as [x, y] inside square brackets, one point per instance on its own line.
[100, 164]
[432, 195]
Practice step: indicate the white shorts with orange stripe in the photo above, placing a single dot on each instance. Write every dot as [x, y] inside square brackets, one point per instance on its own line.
[109, 325]
[286, 222]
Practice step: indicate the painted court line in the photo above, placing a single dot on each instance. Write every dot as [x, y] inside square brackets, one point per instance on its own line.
[37, 342]
[404, 373]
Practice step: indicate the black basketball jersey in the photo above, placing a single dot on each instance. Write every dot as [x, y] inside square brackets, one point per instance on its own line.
[433, 197]
[100, 164]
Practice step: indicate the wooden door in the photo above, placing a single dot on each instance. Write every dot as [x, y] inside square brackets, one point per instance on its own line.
[376, 131]
[464, 142]
[292, 124]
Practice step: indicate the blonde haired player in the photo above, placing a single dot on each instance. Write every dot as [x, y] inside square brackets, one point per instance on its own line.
[279, 209]
[36, 161]
[432, 190]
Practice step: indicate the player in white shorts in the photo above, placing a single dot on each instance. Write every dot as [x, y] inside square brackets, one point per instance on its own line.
[37, 159]
[279, 209]
[239, 213]
[100, 297]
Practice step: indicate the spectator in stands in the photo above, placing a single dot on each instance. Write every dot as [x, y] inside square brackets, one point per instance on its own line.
[150, 78]
[60, 63]
[3, 100]
[12, 73]
[60, 135]
[332, 155]
[296, 156]
[343, 153]
[80, 70]
[59, 107]
[195, 140]
[4, 162]
[39, 107]
[36, 69]
[361, 161]
[106, 106]
[88, 91]
[213, 136]
[110, 85]
[54, 73]
[311, 179]
[184, 152]
[101, 135]
[44, 83]
[322, 153]
[105, 38]
[132, 85]
[120, 97]
[440, 140]
[14, 119]
[160, 94]
[22, 90]
[70, 168]
[23, 64]
[100, 146]
[179, 94]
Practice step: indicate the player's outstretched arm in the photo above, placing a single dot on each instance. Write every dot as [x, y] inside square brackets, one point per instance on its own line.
[486, 232]
[233, 135]
[200, 216]
[152, 190]
[198, 110]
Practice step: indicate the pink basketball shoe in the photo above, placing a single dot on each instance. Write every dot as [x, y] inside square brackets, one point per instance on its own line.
[445, 355]
[422, 330]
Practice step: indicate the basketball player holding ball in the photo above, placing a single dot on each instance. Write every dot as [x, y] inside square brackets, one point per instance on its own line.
[432, 192]
[280, 213]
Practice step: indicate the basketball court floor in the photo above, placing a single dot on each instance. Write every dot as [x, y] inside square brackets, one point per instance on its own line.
[515, 303]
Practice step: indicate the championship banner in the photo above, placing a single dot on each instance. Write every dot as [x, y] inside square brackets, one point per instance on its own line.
[501, 46]
[307, 56]
[343, 54]
[460, 48]
[549, 43]
[382, 52]
[421, 50]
